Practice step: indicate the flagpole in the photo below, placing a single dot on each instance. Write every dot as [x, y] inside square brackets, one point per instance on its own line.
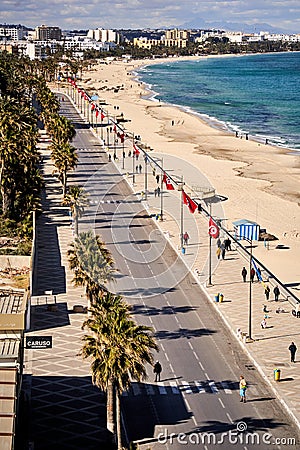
[161, 190]
[133, 158]
[209, 257]
[146, 175]
[181, 214]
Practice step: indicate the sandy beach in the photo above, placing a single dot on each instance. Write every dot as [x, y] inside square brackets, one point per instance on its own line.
[260, 181]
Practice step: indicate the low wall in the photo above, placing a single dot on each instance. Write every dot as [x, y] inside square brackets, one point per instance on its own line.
[14, 261]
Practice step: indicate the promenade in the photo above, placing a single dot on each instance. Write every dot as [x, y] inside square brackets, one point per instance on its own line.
[67, 411]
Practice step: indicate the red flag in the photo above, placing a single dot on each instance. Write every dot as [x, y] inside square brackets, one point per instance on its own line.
[213, 229]
[102, 116]
[115, 128]
[136, 150]
[168, 183]
[97, 112]
[189, 202]
[93, 106]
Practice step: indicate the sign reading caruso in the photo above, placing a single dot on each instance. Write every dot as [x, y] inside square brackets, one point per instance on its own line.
[38, 342]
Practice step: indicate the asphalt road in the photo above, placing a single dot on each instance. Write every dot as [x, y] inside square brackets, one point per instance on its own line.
[201, 360]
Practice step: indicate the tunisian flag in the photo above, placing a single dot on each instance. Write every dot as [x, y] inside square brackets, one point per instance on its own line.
[136, 151]
[213, 229]
[189, 202]
[168, 183]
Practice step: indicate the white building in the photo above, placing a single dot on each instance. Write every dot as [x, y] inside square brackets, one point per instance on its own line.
[12, 33]
[103, 35]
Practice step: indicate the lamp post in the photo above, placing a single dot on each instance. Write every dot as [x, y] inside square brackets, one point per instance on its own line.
[180, 188]
[249, 240]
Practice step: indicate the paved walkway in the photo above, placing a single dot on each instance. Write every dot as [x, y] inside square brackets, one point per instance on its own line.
[68, 412]
[269, 348]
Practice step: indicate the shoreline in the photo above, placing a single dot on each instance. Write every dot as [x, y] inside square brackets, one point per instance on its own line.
[211, 121]
[260, 186]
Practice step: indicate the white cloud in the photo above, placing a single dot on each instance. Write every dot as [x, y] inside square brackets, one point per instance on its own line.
[144, 13]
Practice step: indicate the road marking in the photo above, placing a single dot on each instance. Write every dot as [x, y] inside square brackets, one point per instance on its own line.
[196, 356]
[174, 387]
[193, 417]
[222, 404]
[162, 389]
[201, 365]
[185, 387]
[171, 367]
[150, 389]
[167, 358]
[200, 387]
[226, 388]
[206, 375]
[213, 387]
[136, 389]
[190, 345]
[230, 419]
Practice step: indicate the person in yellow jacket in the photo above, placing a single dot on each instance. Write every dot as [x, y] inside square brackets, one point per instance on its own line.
[243, 388]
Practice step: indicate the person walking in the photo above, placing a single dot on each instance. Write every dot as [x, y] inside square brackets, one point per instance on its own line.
[263, 323]
[267, 292]
[186, 238]
[293, 349]
[223, 252]
[218, 252]
[258, 274]
[158, 191]
[276, 293]
[157, 370]
[244, 274]
[243, 388]
[252, 273]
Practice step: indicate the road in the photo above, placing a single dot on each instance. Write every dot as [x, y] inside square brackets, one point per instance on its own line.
[201, 360]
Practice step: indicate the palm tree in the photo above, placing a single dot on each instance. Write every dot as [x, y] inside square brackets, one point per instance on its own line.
[119, 349]
[65, 159]
[76, 200]
[92, 264]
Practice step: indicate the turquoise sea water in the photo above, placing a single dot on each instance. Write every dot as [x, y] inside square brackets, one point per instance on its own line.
[255, 94]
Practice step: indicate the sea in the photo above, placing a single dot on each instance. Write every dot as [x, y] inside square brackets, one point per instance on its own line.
[256, 95]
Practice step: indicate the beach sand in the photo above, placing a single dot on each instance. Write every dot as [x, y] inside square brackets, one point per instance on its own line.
[260, 181]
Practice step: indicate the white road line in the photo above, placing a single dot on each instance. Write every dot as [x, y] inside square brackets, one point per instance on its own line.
[226, 388]
[171, 367]
[222, 404]
[206, 375]
[200, 387]
[174, 387]
[162, 347]
[136, 389]
[213, 387]
[167, 358]
[230, 419]
[194, 420]
[201, 365]
[190, 345]
[150, 389]
[185, 387]
[196, 356]
[162, 389]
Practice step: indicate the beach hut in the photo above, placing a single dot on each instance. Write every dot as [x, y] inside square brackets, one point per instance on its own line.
[246, 229]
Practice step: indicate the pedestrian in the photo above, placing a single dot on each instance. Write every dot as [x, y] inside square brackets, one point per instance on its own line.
[219, 242]
[276, 293]
[243, 388]
[136, 168]
[129, 154]
[124, 154]
[218, 252]
[155, 192]
[115, 156]
[157, 179]
[252, 273]
[265, 309]
[109, 158]
[267, 292]
[258, 274]
[158, 191]
[140, 167]
[263, 323]
[244, 274]
[186, 238]
[227, 244]
[153, 171]
[157, 370]
[293, 349]
[223, 252]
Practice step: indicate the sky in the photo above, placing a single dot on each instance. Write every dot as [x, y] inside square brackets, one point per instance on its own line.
[283, 15]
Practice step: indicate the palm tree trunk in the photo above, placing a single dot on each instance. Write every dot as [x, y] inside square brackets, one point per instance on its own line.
[118, 419]
[64, 183]
[110, 408]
